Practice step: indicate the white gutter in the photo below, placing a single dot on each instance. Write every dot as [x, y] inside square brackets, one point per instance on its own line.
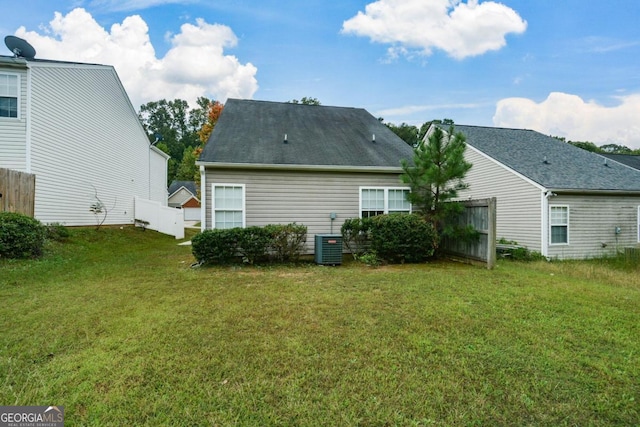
[308, 168]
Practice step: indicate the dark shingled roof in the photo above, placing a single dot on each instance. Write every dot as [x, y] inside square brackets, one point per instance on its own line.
[566, 167]
[252, 132]
[176, 185]
[631, 160]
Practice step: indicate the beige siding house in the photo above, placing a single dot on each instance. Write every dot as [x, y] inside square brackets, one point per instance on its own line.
[76, 130]
[183, 195]
[552, 197]
[279, 163]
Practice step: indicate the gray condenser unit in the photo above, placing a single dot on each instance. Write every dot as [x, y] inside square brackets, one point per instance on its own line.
[329, 249]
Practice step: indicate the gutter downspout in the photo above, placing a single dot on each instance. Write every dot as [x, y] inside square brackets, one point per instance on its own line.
[28, 121]
[203, 199]
[545, 222]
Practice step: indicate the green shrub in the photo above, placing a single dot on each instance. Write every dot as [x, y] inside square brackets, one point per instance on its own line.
[57, 232]
[356, 234]
[402, 237]
[286, 241]
[253, 243]
[283, 242]
[510, 249]
[215, 246]
[20, 236]
[369, 258]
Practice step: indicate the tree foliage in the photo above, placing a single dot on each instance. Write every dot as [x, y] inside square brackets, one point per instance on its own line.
[436, 175]
[174, 127]
[408, 133]
[306, 101]
[213, 114]
[412, 135]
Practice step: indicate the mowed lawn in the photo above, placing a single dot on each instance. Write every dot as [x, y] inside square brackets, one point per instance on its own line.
[116, 327]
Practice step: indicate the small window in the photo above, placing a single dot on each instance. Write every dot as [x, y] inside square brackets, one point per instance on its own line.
[559, 224]
[378, 201]
[9, 95]
[228, 205]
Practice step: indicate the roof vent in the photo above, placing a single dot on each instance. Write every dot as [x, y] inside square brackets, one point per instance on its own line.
[545, 161]
[285, 139]
[605, 162]
[373, 137]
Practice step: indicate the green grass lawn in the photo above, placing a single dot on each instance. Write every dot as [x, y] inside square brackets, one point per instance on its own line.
[116, 327]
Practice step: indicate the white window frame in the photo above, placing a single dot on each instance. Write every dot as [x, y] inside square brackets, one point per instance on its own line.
[8, 95]
[386, 198]
[213, 201]
[551, 225]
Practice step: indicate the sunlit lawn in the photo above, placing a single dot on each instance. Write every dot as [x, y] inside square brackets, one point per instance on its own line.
[116, 327]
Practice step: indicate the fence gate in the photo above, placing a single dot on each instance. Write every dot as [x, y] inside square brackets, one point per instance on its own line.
[481, 214]
[17, 192]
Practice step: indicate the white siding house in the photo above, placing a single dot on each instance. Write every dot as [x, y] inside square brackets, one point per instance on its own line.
[77, 131]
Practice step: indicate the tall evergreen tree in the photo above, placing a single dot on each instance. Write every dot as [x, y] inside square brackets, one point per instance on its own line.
[436, 176]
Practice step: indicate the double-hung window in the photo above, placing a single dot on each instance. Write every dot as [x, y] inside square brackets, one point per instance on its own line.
[383, 200]
[228, 205]
[559, 225]
[9, 84]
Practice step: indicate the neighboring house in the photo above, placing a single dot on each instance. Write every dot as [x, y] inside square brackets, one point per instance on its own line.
[631, 160]
[182, 195]
[73, 126]
[278, 163]
[553, 197]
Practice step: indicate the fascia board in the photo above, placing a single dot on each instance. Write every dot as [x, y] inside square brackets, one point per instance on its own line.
[308, 168]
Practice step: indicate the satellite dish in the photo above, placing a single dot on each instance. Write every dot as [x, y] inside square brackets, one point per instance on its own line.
[20, 47]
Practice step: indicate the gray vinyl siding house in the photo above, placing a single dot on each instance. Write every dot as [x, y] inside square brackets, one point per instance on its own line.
[286, 163]
[552, 197]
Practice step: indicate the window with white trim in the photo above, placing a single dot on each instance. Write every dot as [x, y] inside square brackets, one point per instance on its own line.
[9, 84]
[383, 200]
[559, 225]
[228, 205]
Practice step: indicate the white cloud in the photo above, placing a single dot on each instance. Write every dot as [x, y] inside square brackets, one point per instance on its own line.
[196, 64]
[458, 28]
[569, 116]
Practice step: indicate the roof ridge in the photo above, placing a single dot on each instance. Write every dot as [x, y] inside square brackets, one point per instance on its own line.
[292, 103]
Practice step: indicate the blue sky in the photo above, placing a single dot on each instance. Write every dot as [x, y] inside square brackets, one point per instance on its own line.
[566, 68]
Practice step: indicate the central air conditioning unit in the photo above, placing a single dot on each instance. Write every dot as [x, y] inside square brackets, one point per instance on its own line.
[329, 249]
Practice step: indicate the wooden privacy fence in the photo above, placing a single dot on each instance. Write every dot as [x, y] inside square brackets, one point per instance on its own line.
[481, 214]
[17, 192]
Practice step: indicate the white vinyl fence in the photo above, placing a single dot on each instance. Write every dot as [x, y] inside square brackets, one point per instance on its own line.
[160, 218]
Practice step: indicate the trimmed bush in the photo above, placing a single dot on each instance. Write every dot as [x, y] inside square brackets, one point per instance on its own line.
[356, 234]
[215, 246]
[20, 236]
[287, 241]
[402, 237]
[253, 243]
